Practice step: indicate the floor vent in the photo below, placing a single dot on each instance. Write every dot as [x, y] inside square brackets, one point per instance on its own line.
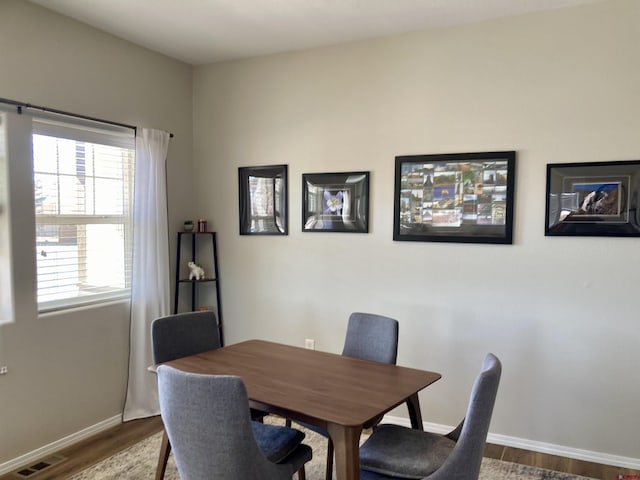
[32, 470]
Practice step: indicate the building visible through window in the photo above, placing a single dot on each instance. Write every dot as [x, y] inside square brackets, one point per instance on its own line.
[83, 194]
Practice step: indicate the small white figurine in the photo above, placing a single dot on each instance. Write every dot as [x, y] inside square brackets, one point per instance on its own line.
[197, 271]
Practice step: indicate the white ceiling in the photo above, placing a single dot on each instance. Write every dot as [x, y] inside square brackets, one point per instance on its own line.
[204, 31]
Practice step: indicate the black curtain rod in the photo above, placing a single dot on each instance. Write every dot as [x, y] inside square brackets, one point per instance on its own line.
[21, 105]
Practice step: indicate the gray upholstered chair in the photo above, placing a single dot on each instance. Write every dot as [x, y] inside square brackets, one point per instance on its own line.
[393, 451]
[181, 335]
[370, 337]
[209, 426]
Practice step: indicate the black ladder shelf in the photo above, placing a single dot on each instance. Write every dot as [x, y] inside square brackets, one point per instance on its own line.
[181, 282]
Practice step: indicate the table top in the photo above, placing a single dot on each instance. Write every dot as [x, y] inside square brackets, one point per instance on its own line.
[310, 385]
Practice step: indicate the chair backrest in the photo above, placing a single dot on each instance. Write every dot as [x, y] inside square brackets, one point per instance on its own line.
[207, 420]
[471, 435]
[183, 334]
[371, 337]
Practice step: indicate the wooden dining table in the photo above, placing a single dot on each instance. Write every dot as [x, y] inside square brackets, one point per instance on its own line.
[335, 392]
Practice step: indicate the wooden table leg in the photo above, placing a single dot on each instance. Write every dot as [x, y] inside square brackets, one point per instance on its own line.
[165, 450]
[346, 446]
[413, 404]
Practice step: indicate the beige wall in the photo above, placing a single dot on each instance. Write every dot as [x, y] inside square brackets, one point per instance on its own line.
[68, 372]
[560, 312]
[556, 87]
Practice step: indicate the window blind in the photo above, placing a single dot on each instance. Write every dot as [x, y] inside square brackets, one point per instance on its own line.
[83, 195]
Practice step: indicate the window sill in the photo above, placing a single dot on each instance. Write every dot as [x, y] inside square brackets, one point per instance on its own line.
[55, 310]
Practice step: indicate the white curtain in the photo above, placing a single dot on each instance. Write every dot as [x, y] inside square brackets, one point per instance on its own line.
[150, 287]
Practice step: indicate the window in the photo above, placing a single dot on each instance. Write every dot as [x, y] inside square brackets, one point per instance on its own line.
[83, 195]
[6, 314]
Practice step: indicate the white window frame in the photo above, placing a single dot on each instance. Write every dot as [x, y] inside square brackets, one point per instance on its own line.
[90, 132]
[6, 284]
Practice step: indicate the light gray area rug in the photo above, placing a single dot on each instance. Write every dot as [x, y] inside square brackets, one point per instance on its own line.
[139, 463]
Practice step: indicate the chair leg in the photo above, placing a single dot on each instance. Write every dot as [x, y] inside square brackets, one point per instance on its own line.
[257, 416]
[329, 473]
[301, 473]
[287, 422]
[163, 458]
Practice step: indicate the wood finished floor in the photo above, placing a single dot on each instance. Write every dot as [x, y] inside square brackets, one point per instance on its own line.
[95, 449]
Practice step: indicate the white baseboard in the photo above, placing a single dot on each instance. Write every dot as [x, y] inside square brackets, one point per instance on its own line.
[534, 446]
[53, 447]
[507, 441]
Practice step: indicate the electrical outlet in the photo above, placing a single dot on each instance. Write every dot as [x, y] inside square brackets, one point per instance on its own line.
[310, 343]
[4, 370]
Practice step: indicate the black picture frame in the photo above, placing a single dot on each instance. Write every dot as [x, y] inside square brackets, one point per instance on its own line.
[263, 200]
[335, 202]
[593, 199]
[455, 197]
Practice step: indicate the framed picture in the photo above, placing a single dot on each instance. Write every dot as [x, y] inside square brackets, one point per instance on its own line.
[335, 202]
[263, 200]
[597, 199]
[455, 197]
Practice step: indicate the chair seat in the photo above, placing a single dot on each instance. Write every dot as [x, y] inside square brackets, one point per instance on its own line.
[324, 433]
[404, 452]
[276, 442]
[258, 415]
[368, 475]
[314, 428]
[207, 420]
